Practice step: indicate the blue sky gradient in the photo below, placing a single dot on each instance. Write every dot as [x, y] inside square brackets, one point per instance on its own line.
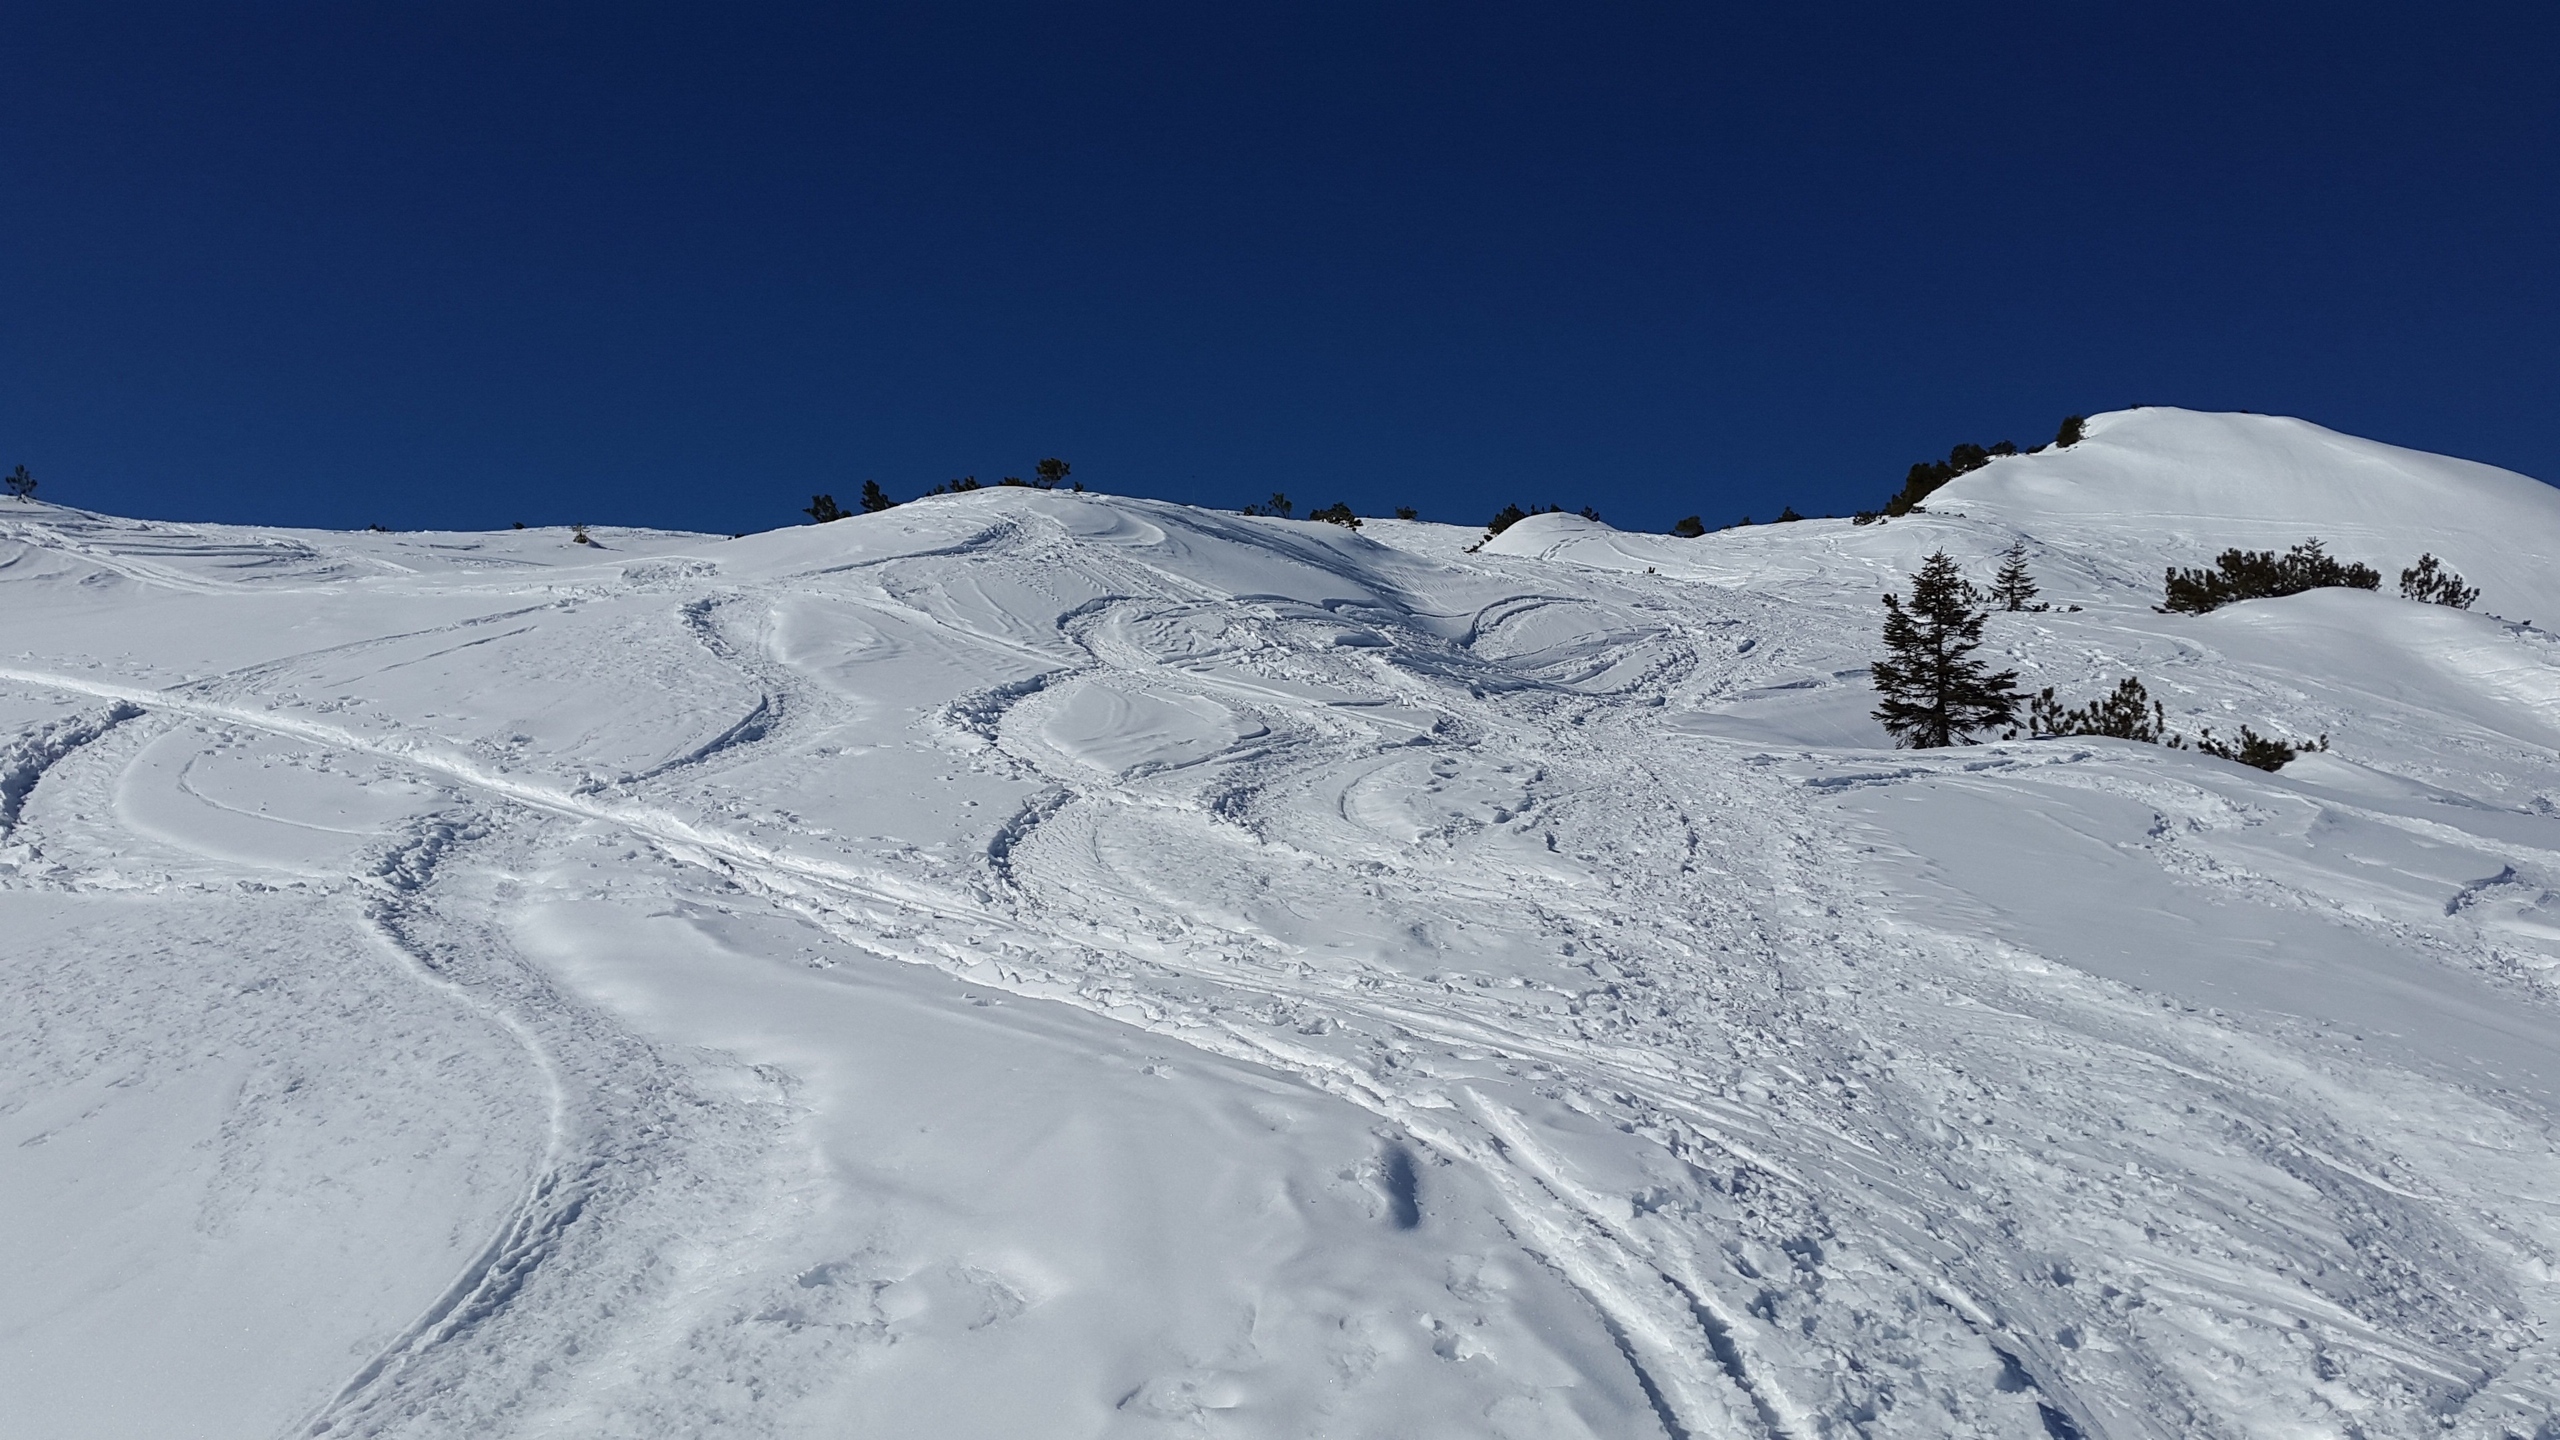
[456, 265]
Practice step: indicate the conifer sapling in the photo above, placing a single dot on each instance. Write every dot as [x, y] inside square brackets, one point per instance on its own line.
[1931, 691]
[2014, 587]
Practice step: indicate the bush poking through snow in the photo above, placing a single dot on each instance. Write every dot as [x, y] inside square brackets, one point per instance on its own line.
[874, 499]
[2263, 574]
[22, 486]
[1932, 691]
[2014, 587]
[2253, 748]
[2070, 433]
[823, 508]
[1278, 507]
[2127, 714]
[1407, 512]
[2430, 581]
[1051, 473]
[1690, 528]
[1337, 513]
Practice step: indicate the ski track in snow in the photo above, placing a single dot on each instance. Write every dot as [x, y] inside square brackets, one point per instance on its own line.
[1661, 1056]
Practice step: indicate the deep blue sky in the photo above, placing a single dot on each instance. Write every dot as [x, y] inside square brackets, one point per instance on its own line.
[462, 264]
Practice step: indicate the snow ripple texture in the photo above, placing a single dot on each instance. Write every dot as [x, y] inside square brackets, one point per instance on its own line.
[1026, 964]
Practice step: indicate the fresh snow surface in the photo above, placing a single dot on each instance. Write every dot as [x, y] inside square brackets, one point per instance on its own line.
[1030, 965]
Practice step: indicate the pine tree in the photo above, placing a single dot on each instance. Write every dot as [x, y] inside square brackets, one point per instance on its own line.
[2430, 581]
[1690, 528]
[2073, 427]
[2014, 587]
[823, 508]
[20, 483]
[1050, 473]
[874, 499]
[1932, 691]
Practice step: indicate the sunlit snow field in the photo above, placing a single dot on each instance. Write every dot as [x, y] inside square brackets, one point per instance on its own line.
[1041, 965]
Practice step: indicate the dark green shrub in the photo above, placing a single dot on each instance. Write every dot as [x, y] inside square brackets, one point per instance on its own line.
[2127, 714]
[1049, 474]
[21, 485]
[1337, 513]
[874, 499]
[2428, 580]
[1504, 518]
[1278, 507]
[822, 508]
[2255, 749]
[2069, 434]
[1690, 528]
[2260, 575]
[1407, 512]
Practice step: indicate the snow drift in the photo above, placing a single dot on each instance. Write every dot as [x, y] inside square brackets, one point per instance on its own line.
[1029, 964]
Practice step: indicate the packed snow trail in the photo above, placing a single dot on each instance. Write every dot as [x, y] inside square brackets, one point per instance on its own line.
[1029, 964]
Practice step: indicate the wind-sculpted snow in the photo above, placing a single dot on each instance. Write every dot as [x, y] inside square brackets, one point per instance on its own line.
[1028, 964]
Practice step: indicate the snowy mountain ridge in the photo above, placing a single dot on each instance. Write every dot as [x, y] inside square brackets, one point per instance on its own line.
[1040, 964]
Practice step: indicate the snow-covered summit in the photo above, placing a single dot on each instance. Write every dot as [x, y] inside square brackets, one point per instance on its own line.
[2168, 479]
[1027, 964]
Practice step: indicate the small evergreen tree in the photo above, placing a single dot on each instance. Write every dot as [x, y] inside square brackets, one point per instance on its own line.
[1591, 513]
[823, 508]
[1504, 518]
[1049, 474]
[1690, 528]
[2428, 580]
[1407, 512]
[1932, 691]
[1278, 507]
[874, 499]
[21, 485]
[2069, 434]
[1786, 516]
[577, 535]
[961, 486]
[2014, 587]
[1337, 513]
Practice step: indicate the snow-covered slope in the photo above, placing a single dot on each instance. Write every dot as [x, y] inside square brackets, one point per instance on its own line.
[1040, 965]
